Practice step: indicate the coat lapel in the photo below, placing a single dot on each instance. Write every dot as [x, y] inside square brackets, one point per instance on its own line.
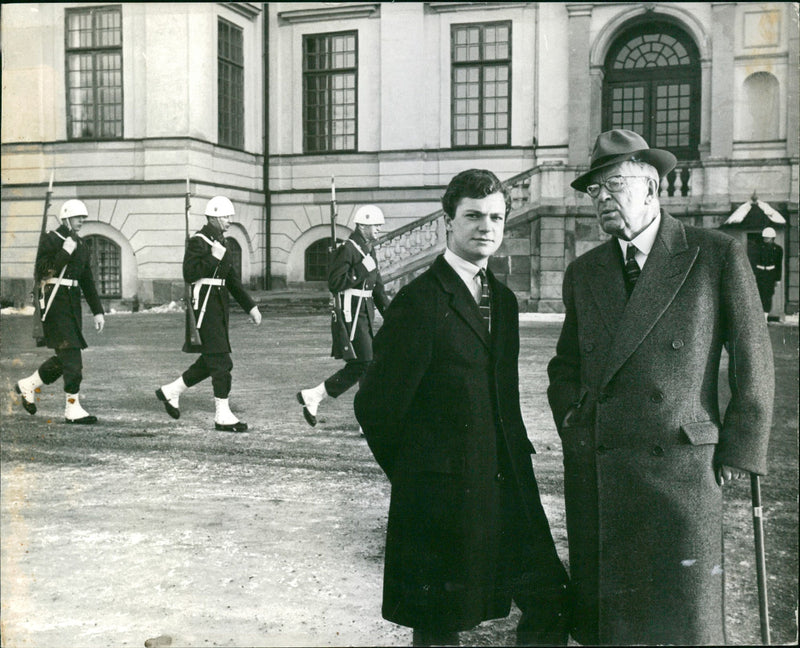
[608, 286]
[461, 300]
[663, 275]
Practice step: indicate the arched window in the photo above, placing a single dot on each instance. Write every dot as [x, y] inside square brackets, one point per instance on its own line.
[104, 256]
[316, 260]
[652, 86]
[761, 115]
[235, 250]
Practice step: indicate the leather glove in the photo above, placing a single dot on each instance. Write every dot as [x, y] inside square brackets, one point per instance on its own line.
[99, 322]
[218, 250]
[369, 263]
[255, 315]
[69, 245]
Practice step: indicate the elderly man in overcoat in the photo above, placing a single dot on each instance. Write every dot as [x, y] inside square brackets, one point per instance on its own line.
[633, 390]
[440, 411]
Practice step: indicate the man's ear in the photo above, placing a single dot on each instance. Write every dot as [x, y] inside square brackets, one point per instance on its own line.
[652, 189]
[447, 223]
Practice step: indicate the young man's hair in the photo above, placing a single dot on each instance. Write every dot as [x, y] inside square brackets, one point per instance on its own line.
[472, 183]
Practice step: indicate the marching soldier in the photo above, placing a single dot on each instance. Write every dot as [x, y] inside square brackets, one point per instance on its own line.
[767, 268]
[207, 267]
[62, 272]
[358, 288]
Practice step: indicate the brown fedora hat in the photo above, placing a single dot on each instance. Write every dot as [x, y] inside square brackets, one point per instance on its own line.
[620, 145]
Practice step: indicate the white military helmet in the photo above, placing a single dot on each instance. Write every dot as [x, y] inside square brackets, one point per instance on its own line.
[768, 232]
[220, 207]
[368, 215]
[72, 207]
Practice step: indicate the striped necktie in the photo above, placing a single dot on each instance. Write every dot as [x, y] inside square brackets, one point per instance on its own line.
[485, 304]
[632, 269]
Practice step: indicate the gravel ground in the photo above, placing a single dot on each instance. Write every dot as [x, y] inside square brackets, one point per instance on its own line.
[144, 529]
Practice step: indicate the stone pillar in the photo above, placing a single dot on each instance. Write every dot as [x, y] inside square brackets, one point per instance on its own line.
[722, 100]
[579, 103]
[792, 83]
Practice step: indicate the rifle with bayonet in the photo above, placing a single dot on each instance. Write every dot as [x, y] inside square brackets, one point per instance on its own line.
[38, 329]
[191, 322]
[339, 332]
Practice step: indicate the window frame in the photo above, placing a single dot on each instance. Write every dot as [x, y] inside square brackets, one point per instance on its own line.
[482, 64]
[232, 138]
[94, 50]
[329, 72]
[653, 77]
[94, 263]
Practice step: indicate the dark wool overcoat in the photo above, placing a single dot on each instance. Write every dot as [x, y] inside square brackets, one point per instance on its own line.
[633, 390]
[437, 397]
[198, 262]
[347, 270]
[62, 326]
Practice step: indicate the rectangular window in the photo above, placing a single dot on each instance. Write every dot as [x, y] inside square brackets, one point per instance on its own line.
[230, 85]
[481, 84]
[330, 69]
[93, 53]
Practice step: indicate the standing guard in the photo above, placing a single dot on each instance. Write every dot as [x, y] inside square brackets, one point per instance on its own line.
[63, 271]
[207, 267]
[767, 262]
[356, 283]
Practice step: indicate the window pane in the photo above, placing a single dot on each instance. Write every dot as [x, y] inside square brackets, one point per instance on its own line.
[230, 84]
[480, 88]
[93, 42]
[104, 258]
[329, 96]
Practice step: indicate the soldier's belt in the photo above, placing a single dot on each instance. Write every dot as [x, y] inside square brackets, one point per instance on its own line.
[205, 281]
[347, 302]
[760, 267]
[70, 283]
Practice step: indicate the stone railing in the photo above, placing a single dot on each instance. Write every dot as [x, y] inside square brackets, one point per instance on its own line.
[679, 181]
[413, 246]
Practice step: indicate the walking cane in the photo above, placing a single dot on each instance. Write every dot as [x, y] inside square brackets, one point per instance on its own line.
[761, 567]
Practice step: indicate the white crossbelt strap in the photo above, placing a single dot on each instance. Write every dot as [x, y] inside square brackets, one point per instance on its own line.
[205, 238]
[64, 282]
[205, 281]
[346, 299]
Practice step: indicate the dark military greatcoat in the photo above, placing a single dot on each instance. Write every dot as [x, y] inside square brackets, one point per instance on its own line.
[62, 326]
[346, 273]
[198, 263]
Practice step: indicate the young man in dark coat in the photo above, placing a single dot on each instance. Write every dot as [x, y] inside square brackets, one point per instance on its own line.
[633, 390]
[207, 267]
[63, 272]
[439, 407]
[354, 278]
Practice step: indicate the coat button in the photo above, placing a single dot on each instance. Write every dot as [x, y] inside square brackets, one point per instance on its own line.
[588, 347]
[601, 449]
[677, 344]
[657, 451]
[500, 478]
[656, 396]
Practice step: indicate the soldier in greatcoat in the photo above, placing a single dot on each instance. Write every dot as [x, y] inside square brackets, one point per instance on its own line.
[767, 262]
[633, 390]
[207, 267]
[355, 280]
[63, 271]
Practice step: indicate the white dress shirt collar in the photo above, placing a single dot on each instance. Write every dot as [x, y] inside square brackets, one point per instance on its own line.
[467, 271]
[644, 241]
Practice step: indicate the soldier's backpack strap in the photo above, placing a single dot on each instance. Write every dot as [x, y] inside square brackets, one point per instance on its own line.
[205, 238]
[356, 246]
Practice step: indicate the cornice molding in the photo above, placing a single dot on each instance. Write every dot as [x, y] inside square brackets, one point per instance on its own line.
[331, 12]
[249, 10]
[445, 7]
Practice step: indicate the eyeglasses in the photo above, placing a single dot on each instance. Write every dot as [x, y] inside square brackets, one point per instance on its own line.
[613, 184]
